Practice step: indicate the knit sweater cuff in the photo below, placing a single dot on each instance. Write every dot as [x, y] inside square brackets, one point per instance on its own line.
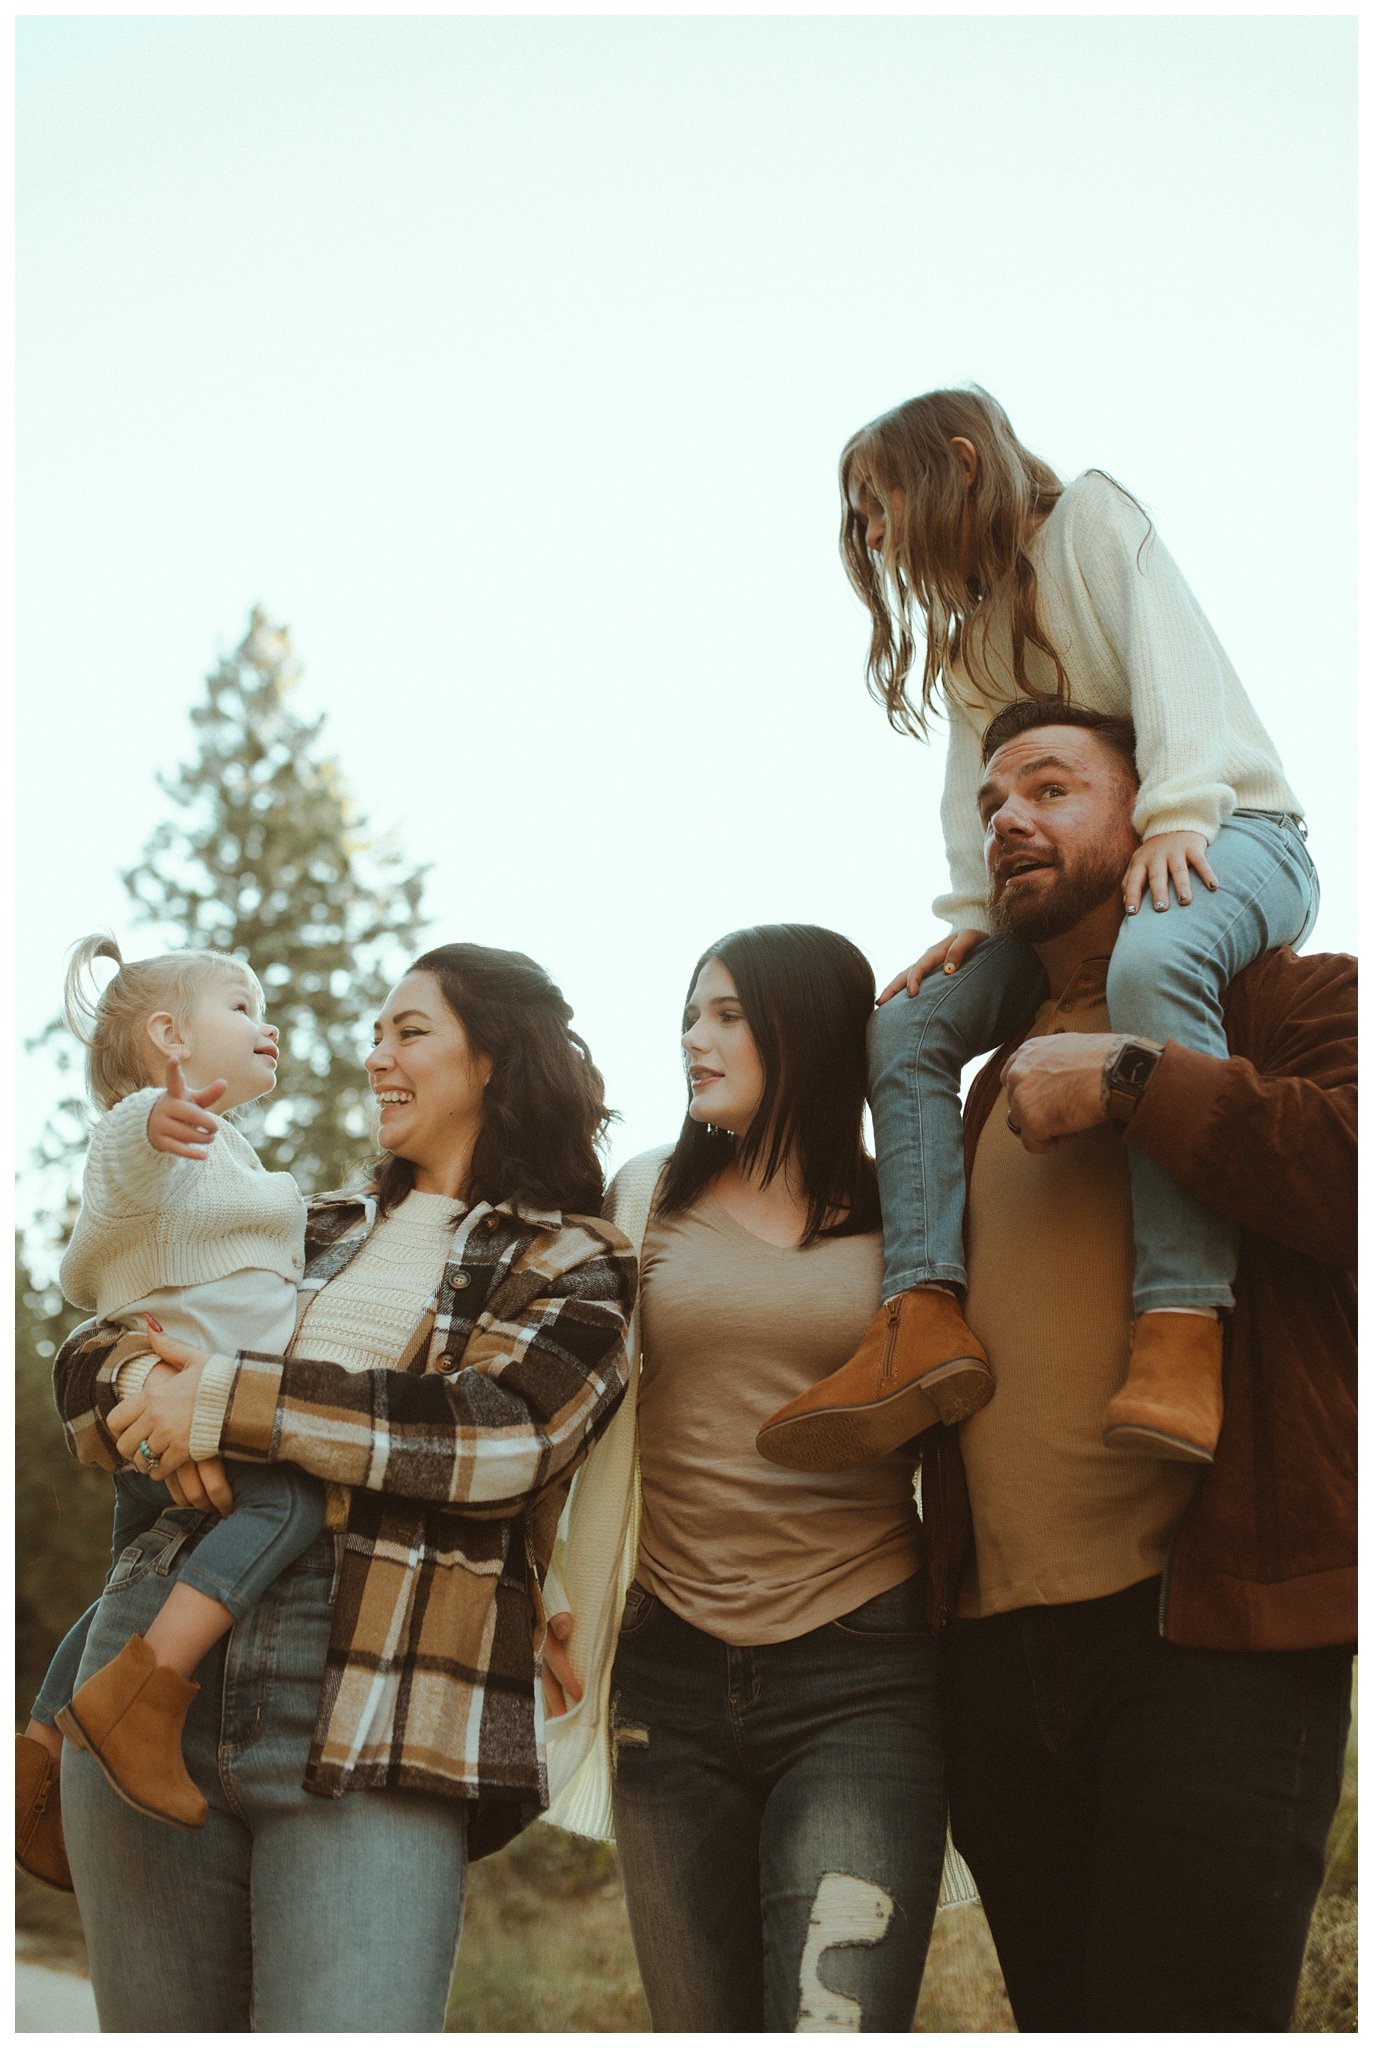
[132, 1376]
[211, 1406]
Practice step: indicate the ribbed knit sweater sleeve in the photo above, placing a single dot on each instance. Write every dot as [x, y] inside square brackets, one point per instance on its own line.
[150, 1220]
[211, 1406]
[1181, 687]
[964, 904]
[1135, 643]
[125, 1177]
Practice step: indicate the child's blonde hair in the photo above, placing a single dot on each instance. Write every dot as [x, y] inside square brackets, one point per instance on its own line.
[111, 1022]
[949, 549]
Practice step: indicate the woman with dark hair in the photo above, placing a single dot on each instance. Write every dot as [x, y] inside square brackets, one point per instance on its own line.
[749, 1646]
[372, 1724]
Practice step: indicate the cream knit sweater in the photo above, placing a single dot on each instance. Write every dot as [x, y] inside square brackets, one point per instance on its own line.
[149, 1220]
[1135, 644]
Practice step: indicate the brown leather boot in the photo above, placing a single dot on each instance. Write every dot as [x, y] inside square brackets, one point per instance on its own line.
[38, 1844]
[129, 1715]
[918, 1364]
[1170, 1405]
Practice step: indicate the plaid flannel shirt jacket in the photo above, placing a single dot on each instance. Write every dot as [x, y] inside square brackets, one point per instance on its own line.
[456, 1465]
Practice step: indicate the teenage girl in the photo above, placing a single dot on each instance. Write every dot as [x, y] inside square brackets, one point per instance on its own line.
[739, 1670]
[182, 1230]
[1026, 587]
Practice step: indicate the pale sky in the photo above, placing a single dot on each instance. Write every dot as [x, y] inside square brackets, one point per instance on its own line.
[508, 360]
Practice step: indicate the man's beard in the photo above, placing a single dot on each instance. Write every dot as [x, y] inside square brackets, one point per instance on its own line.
[1075, 893]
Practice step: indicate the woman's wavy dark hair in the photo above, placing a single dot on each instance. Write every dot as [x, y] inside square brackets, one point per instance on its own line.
[544, 1109]
[807, 994]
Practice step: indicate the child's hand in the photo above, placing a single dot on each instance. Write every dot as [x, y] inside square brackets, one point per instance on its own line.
[1164, 858]
[180, 1122]
[949, 953]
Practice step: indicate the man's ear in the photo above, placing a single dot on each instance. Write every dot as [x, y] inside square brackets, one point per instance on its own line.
[967, 457]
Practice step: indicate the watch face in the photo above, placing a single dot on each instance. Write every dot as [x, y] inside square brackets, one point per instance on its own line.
[1133, 1066]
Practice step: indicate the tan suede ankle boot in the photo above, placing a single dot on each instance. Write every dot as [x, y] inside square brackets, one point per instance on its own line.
[918, 1364]
[1170, 1405]
[130, 1715]
[38, 1845]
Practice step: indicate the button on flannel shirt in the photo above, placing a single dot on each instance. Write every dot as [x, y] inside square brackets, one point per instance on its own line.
[456, 1465]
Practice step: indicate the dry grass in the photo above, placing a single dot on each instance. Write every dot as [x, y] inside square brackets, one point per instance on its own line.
[546, 1949]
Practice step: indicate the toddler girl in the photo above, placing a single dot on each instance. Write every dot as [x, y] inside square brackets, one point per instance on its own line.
[1026, 587]
[180, 1228]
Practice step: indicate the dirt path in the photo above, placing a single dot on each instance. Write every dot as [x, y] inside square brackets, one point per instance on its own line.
[52, 2002]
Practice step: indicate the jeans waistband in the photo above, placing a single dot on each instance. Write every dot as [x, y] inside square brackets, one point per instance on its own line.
[1283, 817]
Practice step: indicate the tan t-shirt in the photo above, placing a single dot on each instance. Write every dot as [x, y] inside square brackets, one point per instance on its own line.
[733, 1328]
[1057, 1516]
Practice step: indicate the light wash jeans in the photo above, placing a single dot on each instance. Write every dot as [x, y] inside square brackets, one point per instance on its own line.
[1168, 977]
[286, 1912]
[278, 1512]
[779, 1817]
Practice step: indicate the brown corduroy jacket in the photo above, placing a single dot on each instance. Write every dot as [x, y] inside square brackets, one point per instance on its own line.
[1264, 1555]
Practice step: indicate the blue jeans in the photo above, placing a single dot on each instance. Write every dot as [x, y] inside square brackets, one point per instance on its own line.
[286, 1912]
[278, 1513]
[1146, 1824]
[779, 1815]
[1168, 978]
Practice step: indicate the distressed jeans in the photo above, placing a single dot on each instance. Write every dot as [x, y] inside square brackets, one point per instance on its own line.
[1146, 1823]
[286, 1912]
[1168, 977]
[779, 1814]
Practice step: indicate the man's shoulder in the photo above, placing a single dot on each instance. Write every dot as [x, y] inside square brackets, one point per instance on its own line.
[1283, 983]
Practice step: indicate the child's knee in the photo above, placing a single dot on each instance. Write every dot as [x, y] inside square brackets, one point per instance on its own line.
[890, 1029]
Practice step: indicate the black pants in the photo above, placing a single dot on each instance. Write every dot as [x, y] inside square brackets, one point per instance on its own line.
[1146, 1824]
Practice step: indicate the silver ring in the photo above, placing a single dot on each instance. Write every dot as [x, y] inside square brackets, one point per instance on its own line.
[145, 1453]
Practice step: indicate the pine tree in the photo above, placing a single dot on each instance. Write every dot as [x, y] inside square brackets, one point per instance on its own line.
[265, 857]
[268, 858]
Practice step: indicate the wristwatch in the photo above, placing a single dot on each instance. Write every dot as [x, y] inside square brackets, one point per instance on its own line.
[1126, 1076]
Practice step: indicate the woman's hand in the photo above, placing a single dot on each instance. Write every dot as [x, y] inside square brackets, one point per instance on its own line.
[949, 953]
[180, 1122]
[160, 1413]
[559, 1679]
[1165, 858]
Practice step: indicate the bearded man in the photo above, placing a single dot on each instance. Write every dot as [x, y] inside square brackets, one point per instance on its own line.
[1147, 1662]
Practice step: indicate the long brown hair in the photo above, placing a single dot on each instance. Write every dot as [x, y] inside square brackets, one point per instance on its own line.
[544, 1107]
[908, 450]
[807, 994]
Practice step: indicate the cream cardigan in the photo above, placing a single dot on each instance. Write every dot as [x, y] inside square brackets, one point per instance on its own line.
[592, 1569]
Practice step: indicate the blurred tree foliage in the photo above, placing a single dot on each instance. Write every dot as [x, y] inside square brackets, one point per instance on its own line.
[265, 856]
[62, 1510]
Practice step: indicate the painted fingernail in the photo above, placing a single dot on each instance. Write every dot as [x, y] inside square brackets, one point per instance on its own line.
[950, 967]
[1130, 909]
[153, 1323]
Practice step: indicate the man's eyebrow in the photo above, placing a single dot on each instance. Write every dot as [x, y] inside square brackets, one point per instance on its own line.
[986, 788]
